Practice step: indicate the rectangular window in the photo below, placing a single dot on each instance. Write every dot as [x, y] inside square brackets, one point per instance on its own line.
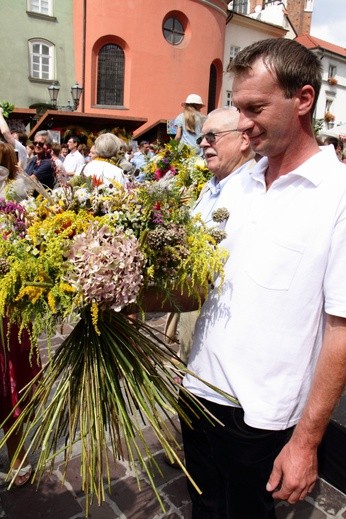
[233, 51]
[329, 103]
[309, 6]
[41, 60]
[41, 7]
[331, 71]
[274, 2]
[240, 6]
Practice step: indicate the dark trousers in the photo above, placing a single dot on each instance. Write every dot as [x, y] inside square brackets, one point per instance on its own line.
[231, 465]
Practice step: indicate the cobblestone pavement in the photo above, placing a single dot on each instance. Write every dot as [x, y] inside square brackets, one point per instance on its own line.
[58, 499]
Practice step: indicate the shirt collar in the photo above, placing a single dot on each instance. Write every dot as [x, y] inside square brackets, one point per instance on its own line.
[312, 169]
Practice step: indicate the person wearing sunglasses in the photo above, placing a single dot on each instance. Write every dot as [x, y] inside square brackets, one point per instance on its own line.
[42, 166]
[226, 151]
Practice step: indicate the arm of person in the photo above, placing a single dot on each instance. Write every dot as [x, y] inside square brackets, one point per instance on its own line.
[179, 134]
[295, 468]
[5, 129]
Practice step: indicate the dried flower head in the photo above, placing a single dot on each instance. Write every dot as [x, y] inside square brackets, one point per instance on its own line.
[218, 235]
[220, 215]
[106, 267]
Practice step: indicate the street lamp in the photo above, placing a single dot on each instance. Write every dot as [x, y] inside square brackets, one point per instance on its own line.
[53, 90]
[76, 92]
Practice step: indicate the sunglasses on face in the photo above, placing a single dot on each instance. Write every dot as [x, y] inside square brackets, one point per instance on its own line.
[210, 137]
[39, 144]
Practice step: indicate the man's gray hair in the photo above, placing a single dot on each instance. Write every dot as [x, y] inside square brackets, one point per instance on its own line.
[230, 113]
[46, 134]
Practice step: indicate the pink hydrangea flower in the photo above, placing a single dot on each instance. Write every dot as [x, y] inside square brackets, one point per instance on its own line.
[106, 268]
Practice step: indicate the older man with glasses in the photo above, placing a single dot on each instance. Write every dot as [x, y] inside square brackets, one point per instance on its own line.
[227, 152]
[42, 167]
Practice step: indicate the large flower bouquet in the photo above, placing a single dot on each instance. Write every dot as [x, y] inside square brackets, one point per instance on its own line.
[83, 254]
[179, 163]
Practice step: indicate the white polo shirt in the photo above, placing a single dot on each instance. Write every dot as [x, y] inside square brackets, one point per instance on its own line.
[74, 162]
[258, 338]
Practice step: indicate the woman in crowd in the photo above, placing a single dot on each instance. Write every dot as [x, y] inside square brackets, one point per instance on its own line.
[189, 122]
[64, 151]
[30, 149]
[56, 158]
[19, 184]
[85, 151]
[16, 367]
[103, 167]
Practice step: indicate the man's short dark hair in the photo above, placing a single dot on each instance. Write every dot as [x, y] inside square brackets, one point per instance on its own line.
[75, 139]
[293, 64]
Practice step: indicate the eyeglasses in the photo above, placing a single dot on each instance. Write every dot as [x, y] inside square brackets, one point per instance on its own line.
[210, 137]
[39, 144]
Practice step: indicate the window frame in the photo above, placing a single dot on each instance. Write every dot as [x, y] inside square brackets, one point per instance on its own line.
[332, 70]
[241, 6]
[173, 31]
[50, 56]
[328, 105]
[119, 85]
[31, 7]
[309, 6]
[233, 51]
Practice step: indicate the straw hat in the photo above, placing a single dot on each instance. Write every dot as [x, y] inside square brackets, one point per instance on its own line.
[193, 99]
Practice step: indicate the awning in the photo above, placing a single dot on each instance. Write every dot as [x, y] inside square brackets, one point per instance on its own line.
[156, 131]
[22, 115]
[56, 119]
[337, 131]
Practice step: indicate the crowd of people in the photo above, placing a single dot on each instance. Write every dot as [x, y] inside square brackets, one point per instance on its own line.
[54, 164]
[273, 334]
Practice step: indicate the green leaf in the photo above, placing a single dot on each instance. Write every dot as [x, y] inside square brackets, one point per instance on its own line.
[7, 108]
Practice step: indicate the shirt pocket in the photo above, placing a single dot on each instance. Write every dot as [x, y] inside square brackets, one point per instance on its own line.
[273, 263]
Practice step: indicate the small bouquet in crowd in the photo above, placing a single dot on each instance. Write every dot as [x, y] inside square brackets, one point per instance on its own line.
[180, 164]
[81, 255]
[7, 108]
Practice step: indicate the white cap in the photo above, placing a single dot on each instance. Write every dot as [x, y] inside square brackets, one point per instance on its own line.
[193, 99]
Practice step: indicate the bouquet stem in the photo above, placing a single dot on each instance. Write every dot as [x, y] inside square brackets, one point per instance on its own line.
[100, 390]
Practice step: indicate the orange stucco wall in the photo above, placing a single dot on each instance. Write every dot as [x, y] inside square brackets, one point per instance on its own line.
[158, 76]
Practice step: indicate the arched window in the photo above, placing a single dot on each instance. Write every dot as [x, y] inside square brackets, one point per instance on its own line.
[212, 88]
[42, 55]
[110, 75]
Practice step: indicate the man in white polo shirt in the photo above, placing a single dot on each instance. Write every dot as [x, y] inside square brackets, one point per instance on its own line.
[274, 335]
[74, 160]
